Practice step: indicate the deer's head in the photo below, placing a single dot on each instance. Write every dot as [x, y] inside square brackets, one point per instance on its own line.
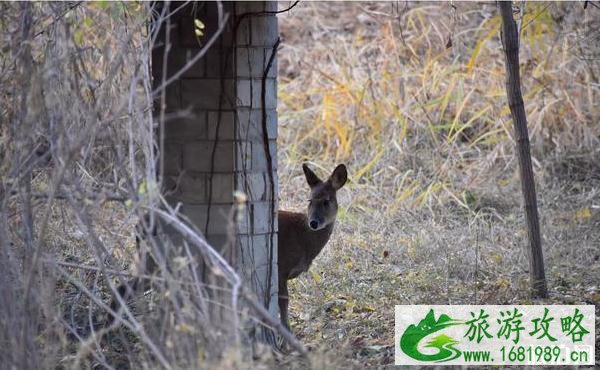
[323, 206]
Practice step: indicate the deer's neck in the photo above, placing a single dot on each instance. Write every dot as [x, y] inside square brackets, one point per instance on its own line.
[319, 239]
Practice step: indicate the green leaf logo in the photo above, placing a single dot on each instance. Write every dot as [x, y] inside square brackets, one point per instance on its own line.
[412, 336]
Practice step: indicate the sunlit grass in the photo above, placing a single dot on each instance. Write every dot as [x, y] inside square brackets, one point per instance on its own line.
[387, 103]
[432, 213]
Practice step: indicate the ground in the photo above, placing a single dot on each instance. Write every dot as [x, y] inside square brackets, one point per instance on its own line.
[344, 305]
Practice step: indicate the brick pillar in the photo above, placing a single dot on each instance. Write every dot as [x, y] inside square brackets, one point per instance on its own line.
[256, 38]
[221, 146]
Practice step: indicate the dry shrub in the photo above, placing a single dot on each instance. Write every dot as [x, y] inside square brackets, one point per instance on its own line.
[79, 169]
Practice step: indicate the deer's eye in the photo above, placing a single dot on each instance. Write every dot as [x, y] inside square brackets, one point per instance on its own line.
[325, 203]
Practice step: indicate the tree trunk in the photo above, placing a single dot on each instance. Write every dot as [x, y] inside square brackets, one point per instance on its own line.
[510, 41]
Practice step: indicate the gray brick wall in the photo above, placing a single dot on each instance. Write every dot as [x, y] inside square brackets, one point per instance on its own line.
[203, 165]
[256, 37]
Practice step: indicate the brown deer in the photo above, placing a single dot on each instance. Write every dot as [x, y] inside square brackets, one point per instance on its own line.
[303, 236]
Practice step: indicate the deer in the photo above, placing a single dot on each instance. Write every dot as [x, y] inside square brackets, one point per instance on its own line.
[302, 236]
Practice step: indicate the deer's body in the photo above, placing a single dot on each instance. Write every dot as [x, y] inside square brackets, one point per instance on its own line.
[303, 236]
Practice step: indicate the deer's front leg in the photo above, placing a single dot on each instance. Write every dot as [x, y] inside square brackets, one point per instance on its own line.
[283, 302]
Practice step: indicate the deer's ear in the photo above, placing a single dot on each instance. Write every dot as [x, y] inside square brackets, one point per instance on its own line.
[312, 179]
[339, 177]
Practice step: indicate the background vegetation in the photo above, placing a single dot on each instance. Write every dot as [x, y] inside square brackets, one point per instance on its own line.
[410, 96]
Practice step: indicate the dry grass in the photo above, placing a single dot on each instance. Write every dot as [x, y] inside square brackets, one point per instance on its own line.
[432, 213]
